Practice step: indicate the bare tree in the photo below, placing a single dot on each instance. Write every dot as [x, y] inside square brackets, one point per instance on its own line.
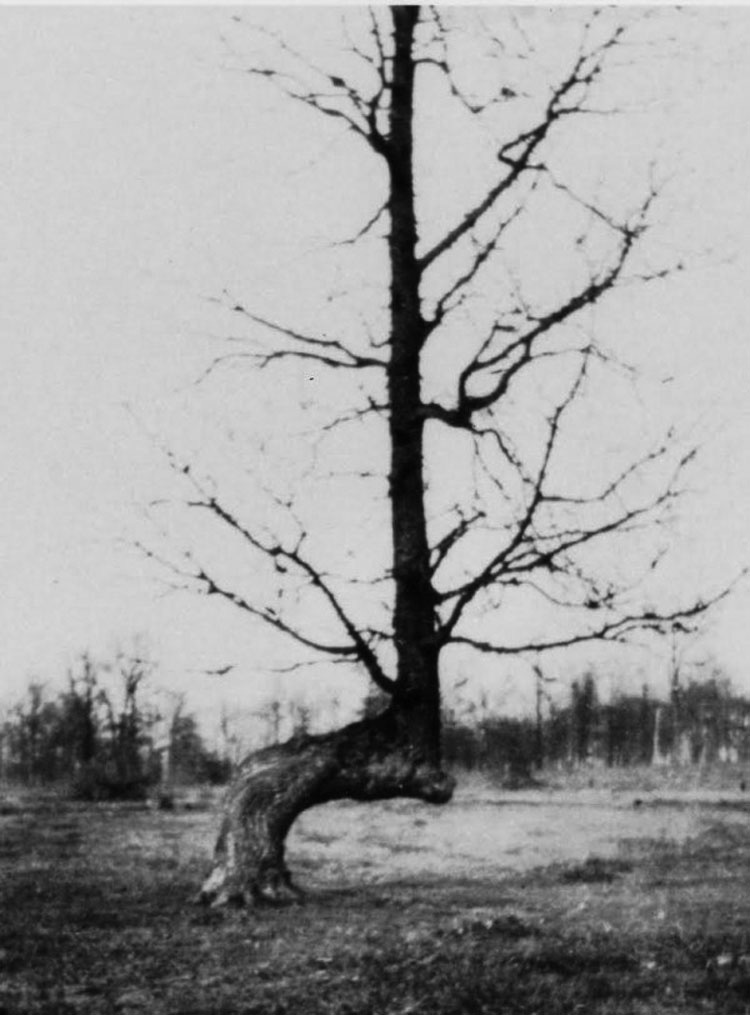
[515, 362]
[128, 722]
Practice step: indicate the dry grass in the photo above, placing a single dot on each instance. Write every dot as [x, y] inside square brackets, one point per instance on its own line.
[411, 909]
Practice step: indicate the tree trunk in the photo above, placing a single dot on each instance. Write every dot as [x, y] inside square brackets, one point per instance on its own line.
[374, 759]
[398, 752]
[417, 683]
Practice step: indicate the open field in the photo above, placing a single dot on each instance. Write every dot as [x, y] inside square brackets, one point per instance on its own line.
[592, 899]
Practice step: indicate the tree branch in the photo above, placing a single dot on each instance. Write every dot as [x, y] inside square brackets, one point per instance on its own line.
[276, 552]
[329, 351]
[482, 254]
[516, 155]
[444, 546]
[519, 353]
[341, 100]
[613, 631]
[490, 574]
[357, 647]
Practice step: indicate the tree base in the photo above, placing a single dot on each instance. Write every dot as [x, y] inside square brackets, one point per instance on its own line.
[216, 892]
[368, 760]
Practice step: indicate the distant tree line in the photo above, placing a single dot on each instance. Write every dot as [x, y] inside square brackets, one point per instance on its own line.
[105, 738]
[703, 722]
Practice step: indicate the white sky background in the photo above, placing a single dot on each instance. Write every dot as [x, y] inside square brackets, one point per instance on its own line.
[140, 174]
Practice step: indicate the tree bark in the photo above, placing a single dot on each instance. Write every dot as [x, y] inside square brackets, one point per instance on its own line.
[374, 759]
[417, 682]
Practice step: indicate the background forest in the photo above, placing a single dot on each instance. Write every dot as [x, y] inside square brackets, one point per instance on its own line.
[110, 734]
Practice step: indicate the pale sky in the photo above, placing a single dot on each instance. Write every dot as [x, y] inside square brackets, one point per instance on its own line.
[141, 174]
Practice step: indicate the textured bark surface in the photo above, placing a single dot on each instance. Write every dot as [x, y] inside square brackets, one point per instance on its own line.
[370, 760]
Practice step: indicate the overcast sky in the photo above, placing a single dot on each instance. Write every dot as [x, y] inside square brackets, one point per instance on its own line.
[140, 175]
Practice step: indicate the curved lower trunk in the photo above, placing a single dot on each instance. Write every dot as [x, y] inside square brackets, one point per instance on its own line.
[369, 760]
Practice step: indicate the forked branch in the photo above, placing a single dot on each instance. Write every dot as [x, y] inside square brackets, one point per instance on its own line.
[517, 156]
[332, 95]
[357, 647]
[328, 351]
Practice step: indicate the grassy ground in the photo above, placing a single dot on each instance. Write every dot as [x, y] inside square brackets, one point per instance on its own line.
[402, 916]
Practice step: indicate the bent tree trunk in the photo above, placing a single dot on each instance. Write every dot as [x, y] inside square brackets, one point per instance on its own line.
[398, 752]
[374, 759]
